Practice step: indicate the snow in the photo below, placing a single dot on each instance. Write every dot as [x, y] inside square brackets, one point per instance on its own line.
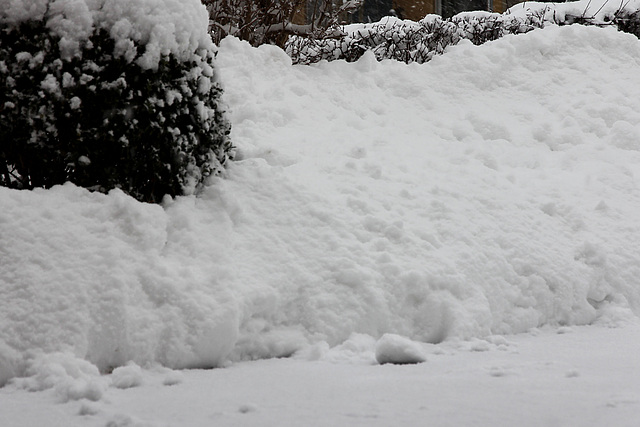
[598, 11]
[535, 379]
[392, 348]
[376, 211]
[127, 376]
[179, 27]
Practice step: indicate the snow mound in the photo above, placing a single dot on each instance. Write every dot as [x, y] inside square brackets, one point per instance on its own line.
[94, 274]
[399, 350]
[70, 377]
[127, 376]
[489, 191]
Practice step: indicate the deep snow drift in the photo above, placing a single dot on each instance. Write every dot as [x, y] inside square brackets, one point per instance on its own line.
[489, 191]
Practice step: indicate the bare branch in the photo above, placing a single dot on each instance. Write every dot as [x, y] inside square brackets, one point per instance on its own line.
[272, 21]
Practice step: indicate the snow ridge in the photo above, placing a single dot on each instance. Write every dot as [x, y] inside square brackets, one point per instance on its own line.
[490, 191]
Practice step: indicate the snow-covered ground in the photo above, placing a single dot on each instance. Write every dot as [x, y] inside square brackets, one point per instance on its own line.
[582, 376]
[475, 212]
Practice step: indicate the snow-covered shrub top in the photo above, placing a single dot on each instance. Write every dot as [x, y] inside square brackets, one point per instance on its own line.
[409, 41]
[164, 27]
[597, 12]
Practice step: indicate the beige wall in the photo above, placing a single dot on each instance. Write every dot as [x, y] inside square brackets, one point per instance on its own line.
[414, 10]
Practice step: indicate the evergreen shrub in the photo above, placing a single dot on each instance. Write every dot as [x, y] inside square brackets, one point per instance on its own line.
[99, 119]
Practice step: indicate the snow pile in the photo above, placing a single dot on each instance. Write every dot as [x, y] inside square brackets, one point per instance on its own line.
[179, 27]
[128, 376]
[489, 191]
[71, 378]
[392, 348]
[100, 278]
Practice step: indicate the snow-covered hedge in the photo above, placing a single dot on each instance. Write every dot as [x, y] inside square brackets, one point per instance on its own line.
[115, 93]
[409, 41]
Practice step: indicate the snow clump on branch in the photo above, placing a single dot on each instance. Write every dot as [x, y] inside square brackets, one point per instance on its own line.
[164, 27]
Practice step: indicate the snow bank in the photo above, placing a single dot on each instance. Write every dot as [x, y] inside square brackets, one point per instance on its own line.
[466, 196]
[95, 276]
[490, 191]
[179, 27]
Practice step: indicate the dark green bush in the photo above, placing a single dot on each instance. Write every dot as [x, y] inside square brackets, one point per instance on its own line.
[101, 121]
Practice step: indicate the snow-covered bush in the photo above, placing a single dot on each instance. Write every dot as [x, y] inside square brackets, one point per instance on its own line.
[117, 93]
[409, 41]
[629, 22]
[625, 16]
